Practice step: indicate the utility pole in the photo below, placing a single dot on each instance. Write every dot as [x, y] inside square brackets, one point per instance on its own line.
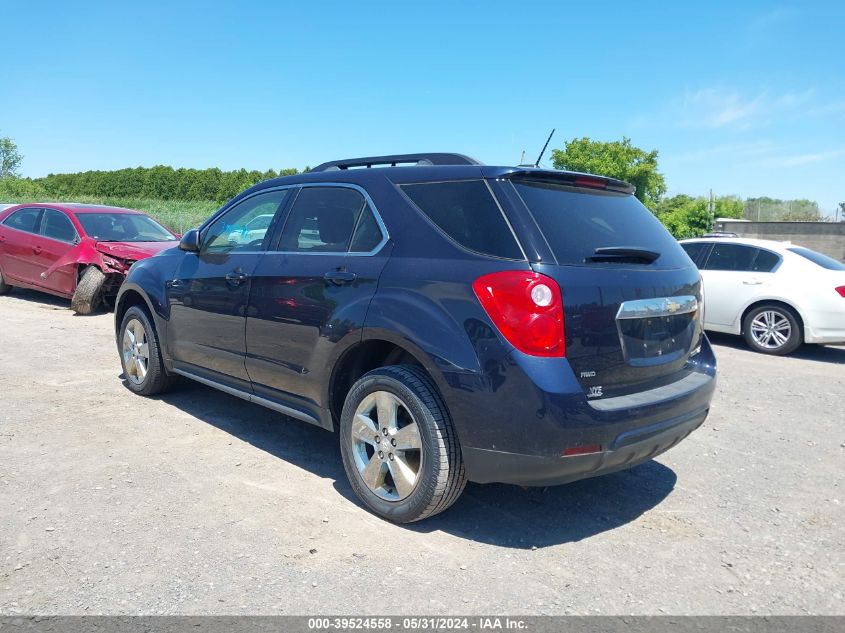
[712, 209]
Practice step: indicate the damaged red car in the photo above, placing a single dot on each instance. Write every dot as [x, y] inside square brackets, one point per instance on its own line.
[78, 251]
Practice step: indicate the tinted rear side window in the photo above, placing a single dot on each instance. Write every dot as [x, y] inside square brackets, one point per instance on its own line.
[24, 220]
[466, 212]
[740, 258]
[765, 261]
[576, 222]
[694, 250]
[818, 258]
[734, 257]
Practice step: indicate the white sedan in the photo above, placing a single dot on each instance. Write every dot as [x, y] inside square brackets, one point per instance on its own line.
[775, 294]
[252, 231]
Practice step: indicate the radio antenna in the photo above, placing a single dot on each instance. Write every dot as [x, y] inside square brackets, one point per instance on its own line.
[543, 151]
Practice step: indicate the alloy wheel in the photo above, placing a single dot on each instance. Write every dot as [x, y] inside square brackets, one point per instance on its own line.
[136, 352]
[386, 446]
[771, 329]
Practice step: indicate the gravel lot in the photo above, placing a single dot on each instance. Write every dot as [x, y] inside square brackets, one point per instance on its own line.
[200, 503]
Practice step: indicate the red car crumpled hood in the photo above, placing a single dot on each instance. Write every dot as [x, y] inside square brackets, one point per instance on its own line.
[133, 250]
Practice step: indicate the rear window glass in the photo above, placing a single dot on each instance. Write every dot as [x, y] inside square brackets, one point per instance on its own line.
[818, 258]
[576, 223]
[466, 212]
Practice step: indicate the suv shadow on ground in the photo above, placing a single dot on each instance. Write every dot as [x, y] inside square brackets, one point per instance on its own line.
[818, 353]
[497, 514]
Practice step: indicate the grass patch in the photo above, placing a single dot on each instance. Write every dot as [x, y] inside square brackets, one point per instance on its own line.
[177, 215]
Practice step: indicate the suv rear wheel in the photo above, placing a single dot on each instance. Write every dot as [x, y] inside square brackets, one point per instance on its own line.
[399, 448]
[772, 329]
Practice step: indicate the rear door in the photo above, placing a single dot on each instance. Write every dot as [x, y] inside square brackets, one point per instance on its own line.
[56, 237]
[734, 276]
[19, 245]
[630, 293]
[210, 290]
[311, 290]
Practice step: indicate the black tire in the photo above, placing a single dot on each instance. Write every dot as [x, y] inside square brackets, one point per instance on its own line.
[440, 476]
[786, 324]
[4, 287]
[87, 296]
[156, 379]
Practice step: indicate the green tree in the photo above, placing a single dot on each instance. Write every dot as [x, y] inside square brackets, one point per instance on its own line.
[616, 159]
[729, 207]
[685, 216]
[10, 158]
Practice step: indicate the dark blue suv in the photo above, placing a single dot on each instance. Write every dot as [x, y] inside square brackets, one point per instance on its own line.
[452, 321]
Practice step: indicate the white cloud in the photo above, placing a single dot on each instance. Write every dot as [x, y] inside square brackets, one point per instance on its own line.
[806, 159]
[720, 152]
[715, 108]
[772, 18]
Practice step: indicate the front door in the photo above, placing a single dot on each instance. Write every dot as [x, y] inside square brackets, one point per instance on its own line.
[209, 292]
[56, 237]
[311, 292]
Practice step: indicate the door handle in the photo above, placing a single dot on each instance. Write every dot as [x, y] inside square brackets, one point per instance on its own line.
[339, 277]
[752, 282]
[236, 278]
[36, 250]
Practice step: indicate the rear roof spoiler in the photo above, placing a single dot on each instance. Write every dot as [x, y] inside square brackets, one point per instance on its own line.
[571, 178]
[395, 160]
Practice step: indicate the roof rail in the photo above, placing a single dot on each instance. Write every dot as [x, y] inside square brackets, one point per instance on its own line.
[398, 159]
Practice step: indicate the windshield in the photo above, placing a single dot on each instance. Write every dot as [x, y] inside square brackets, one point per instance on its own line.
[817, 258]
[576, 222]
[123, 227]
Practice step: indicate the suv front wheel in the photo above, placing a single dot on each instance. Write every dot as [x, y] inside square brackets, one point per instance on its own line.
[399, 447]
[140, 354]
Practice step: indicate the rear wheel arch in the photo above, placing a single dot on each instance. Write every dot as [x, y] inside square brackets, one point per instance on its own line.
[364, 357]
[773, 302]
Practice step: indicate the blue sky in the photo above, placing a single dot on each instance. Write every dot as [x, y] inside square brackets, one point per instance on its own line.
[746, 98]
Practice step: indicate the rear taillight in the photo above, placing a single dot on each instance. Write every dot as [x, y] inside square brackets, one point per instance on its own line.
[841, 291]
[527, 308]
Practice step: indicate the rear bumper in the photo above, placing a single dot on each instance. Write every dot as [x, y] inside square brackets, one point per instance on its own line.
[824, 335]
[627, 450]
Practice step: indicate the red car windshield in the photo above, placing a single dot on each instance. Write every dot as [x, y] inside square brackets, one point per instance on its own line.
[123, 227]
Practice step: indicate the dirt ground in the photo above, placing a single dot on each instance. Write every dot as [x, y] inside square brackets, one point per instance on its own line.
[198, 502]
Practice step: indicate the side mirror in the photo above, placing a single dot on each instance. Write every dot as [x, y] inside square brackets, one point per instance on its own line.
[190, 241]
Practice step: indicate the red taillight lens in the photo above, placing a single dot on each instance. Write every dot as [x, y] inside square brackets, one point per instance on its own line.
[594, 183]
[527, 308]
[582, 450]
[841, 291]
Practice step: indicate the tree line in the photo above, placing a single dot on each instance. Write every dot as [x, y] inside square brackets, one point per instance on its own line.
[160, 183]
[683, 215]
